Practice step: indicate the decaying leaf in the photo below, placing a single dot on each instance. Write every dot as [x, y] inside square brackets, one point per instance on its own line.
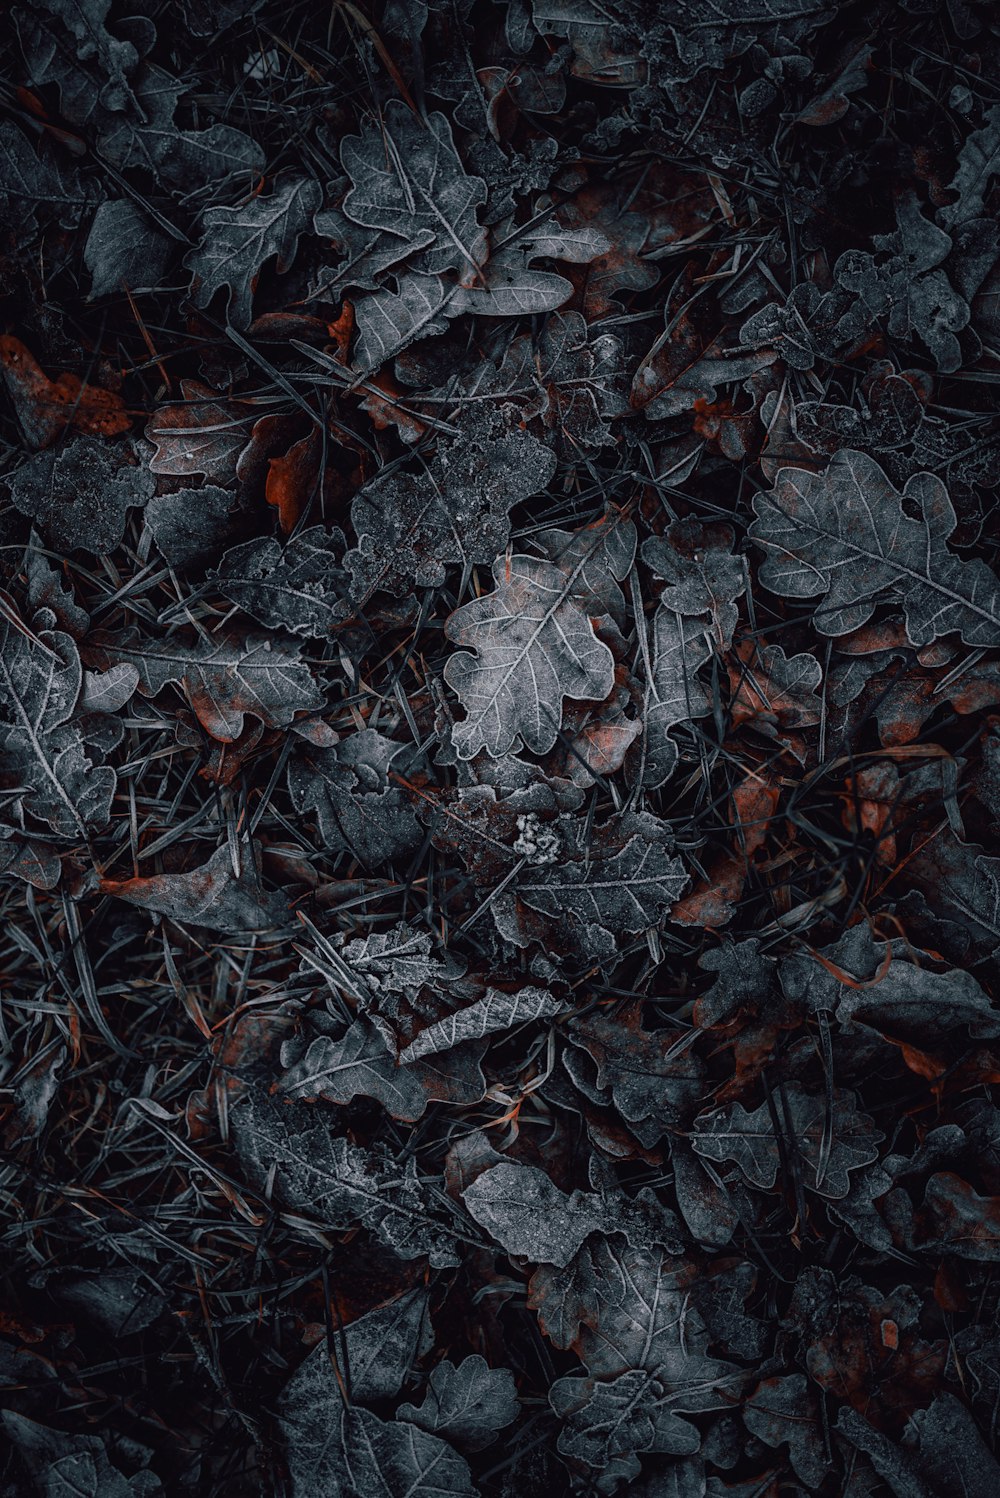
[411, 527]
[214, 895]
[223, 682]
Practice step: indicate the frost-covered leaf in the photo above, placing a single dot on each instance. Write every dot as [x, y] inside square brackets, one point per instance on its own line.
[390, 321]
[701, 573]
[608, 1421]
[108, 691]
[350, 1450]
[780, 1412]
[199, 435]
[953, 1451]
[532, 642]
[74, 1466]
[337, 1183]
[909, 289]
[191, 526]
[211, 895]
[959, 1220]
[35, 183]
[412, 526]
[978, 164]
[393, 962]
[44, 761]
[509, 285]
[653, 1077]
[681, 646]
[380, 1347]
[513, 288]
[236, 243]
[828, 1144]
[409, 181]
[223, 681]
[772, 689]
[360, 808]
[529, 1216]
[846, 535]
[360, 1064]
[469, 1404]
[366, 253]
[921, 1007]
[124, 248]
[664, 393]
[495, 1011]
[965, 881]
[561, 378]
[80, 28]
[297, 587]
[79, 495]
[149, 139]
[624, 1308]
[627, 891]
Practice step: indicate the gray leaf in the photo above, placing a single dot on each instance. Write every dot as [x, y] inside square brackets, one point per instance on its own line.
[237, 241]
[190, 526]
[731, 1133]
[532, 643]
[609, 1422]
[72, 1466]
[627, 892]
[978, 164]
[680, 648]
[34, 183]
[348, 1451]
[40, 682]
[124, 247]
[80, 494]
[338, 1183]
[294, 587]
[408, 180]
[512, 288]
[224, 680]
[211, 895]
[359, 809]
[411, 527]
[529, 1216]
[469, 1404]
[393, 962]
[495, 1011]
[390, 321]
[845, 534]
[361, 1064]
[380, 1351]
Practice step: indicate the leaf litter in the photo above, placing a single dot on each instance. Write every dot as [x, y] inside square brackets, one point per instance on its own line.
[499, 769]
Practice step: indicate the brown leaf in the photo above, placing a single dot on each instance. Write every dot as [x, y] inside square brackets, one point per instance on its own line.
[45, 408]
[211, 895]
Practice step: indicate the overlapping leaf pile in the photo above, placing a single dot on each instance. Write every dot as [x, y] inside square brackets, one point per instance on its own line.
[499, 749]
